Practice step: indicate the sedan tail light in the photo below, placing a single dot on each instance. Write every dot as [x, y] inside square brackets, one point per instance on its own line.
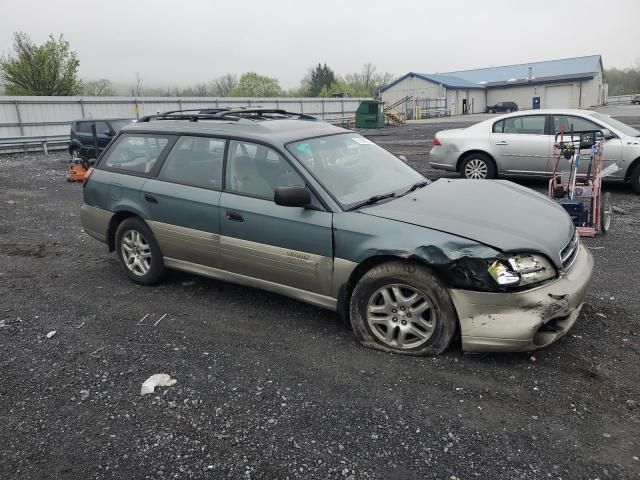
[436, 142]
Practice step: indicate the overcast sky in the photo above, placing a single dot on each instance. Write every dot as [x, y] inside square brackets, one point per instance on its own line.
[184, 42]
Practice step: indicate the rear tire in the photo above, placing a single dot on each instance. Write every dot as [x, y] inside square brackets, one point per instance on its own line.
[402, 307]
[138, 252]
[635, 178]
[478, 166]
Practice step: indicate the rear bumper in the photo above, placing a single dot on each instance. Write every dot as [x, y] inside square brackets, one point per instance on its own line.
[442, 159]
[95, 221]
[523, 321]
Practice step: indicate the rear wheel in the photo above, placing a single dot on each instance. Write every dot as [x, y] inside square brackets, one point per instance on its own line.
[75, 154]
[138, 252]
[606, 212]
[402, 307]
[478, 166]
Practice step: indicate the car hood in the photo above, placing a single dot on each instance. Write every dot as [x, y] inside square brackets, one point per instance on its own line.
[497, 213]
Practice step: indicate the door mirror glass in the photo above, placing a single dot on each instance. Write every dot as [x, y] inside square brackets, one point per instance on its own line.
[606, 133]
[292, 196]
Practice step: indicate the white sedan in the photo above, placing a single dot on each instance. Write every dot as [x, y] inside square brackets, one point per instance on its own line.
[521, 144]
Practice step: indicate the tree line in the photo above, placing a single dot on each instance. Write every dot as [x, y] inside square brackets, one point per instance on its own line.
[52, 69]
[623, 82]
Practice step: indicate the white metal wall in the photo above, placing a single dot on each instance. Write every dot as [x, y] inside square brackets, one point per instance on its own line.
[414, 87]
[47, 116]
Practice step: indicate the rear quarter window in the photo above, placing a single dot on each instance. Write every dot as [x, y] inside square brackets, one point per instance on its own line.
[135, 153]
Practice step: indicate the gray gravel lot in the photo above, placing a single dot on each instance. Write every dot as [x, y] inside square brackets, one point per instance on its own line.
[269, 388]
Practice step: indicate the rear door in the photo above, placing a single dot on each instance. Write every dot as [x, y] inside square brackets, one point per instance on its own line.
[183, 200]
[521, 145]
[285, 245]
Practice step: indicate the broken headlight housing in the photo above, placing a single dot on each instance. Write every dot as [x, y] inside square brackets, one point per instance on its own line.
[521, 269]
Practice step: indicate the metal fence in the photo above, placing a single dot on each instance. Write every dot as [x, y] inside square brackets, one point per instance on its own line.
[619, 99]
[28, 121]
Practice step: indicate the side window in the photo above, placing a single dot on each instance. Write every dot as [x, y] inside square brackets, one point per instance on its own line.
[101, 128]
[257, 171]
[195, 161]
[84, 127]
[498, 127]
[527, 125]
[565, 123]
[135, 153]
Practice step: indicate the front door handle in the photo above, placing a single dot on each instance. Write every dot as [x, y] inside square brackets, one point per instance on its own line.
[502, 142]
[150, 198]
[234, 216]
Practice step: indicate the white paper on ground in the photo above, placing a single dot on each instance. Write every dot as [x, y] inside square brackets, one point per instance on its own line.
[610, 170]
[157, 380]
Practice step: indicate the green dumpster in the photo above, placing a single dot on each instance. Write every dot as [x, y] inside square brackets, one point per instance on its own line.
[370, 114]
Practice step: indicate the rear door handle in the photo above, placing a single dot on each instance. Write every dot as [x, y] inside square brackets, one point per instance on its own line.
[502, 142]
[234, 216]
[150, 198]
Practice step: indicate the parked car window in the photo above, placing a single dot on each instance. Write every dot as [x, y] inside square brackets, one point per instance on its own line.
[526, 125]
[565, 123]
[83, 127]
[257, 171]
[135, 153]
[498, 127]
[353, 168]
[102, 128]
[195, 161]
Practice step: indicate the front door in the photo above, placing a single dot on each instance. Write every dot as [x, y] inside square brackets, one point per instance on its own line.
[285, 245]
[521, 145]
[183, 201]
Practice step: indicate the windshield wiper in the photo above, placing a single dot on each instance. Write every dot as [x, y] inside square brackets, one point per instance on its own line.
[372, 200]
[418, 185]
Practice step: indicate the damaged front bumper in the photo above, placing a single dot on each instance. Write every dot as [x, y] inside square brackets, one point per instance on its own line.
[526, 320]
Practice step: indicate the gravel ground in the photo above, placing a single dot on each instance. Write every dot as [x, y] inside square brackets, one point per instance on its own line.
[269, 388]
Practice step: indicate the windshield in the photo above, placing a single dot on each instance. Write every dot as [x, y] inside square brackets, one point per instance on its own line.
[353, 168]
[617, 124]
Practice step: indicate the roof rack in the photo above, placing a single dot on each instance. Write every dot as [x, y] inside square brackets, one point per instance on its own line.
[226, 114]
[270, 113]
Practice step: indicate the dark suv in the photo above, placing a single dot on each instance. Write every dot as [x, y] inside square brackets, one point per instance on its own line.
[507, 107]
[299, 207]
[81, 138]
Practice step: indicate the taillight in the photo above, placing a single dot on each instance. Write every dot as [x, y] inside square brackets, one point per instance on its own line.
[436, 142]
[85, 179]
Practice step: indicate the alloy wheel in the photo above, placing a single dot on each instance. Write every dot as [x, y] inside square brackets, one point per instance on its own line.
[136, 252]
[476, 169]
[401, 316]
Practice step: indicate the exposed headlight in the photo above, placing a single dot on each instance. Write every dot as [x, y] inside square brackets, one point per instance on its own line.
[523, 269]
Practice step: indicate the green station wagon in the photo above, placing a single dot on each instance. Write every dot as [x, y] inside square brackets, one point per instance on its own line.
[299, 207]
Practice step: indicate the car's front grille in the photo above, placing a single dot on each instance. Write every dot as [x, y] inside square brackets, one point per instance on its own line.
[569, 253]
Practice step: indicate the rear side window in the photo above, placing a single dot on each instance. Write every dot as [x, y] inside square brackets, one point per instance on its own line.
[195, 161]
[135, 153]
[83, 127]
[527, 125]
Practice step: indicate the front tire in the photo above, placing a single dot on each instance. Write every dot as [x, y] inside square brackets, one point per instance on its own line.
[635, 178]
[402, 307]
[138, 252]
[478, 166]
[606, 212]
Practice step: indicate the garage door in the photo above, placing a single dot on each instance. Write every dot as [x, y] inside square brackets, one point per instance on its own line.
[558, 97]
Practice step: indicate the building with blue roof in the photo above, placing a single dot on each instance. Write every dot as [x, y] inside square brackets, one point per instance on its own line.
[564, 83]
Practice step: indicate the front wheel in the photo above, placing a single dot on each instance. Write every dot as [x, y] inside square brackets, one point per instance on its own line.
[635, 178]
[478, 166]
[138, 252]
[402, 307]
[606, 212]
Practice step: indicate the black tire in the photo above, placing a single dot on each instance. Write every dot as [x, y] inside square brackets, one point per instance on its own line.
[483, 161]
[156, 269]
[441, 312]
[606, 212]
[635, 178]
[508, 110]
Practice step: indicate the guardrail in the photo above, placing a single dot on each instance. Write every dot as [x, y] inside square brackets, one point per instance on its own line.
[25, 144]
[620, 99]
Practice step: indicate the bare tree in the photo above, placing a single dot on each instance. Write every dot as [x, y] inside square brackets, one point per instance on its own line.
[138, 91]
[222, 86]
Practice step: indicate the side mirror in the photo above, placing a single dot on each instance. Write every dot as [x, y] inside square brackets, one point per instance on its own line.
[403, 158]
[606, 133]
[292, 196]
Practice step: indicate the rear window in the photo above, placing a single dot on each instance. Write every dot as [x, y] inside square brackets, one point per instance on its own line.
[135, 153]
